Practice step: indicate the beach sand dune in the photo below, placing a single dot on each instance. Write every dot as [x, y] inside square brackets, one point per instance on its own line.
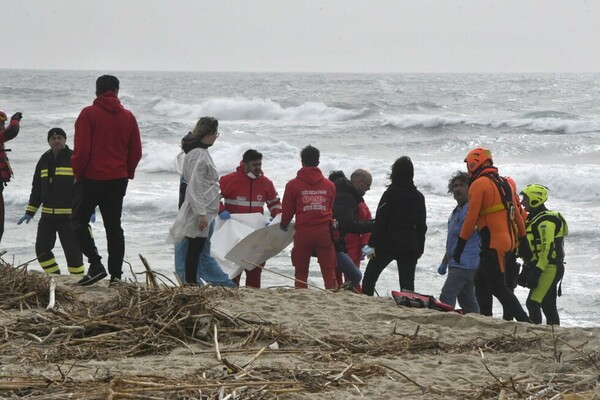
[134, 341]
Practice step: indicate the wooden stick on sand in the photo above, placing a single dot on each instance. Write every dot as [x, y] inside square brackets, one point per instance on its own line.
[151, 275]
[280, 274]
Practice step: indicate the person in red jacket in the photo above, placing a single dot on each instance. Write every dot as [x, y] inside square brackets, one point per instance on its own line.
[6, 133]
[107, 150]
[248, 190]
[310, 198]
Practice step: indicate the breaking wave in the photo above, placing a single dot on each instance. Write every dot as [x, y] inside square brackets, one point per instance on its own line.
[234, 109]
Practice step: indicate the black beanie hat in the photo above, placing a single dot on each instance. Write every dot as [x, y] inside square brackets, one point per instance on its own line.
[56, 131]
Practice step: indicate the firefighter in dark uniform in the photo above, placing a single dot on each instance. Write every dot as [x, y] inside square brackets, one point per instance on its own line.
[52, 189]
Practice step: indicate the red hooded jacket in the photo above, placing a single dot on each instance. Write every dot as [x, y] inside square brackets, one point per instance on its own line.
[242, 194]
[310, 197]
[107, 141]
[7, 134]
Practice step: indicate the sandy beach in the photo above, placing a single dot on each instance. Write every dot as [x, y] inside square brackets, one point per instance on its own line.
[141, 341]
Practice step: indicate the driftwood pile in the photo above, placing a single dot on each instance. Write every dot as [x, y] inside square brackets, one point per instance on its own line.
[140, 321]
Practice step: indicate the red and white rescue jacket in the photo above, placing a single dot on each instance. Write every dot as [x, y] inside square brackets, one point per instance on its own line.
[242, 194]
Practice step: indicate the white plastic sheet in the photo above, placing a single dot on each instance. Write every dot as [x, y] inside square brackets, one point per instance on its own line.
[244, 241]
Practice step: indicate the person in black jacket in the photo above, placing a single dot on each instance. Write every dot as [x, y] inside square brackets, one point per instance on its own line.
[52, 188]
[400, 226]
[349, 193]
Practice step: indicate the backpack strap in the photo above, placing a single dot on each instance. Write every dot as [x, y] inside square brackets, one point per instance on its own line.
[492, 209]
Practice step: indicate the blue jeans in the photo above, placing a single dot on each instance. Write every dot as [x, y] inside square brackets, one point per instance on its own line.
[460, 284]
[347, 266]
[209, 269]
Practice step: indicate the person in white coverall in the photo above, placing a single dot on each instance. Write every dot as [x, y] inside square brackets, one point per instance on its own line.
[202, 195]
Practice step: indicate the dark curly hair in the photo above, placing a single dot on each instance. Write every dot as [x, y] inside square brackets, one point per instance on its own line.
[458, 176]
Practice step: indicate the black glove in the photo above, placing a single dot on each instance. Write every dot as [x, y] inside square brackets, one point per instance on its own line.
[524, 249]
[533, 277]
[460, 247]
[522, 279]
[16, 116]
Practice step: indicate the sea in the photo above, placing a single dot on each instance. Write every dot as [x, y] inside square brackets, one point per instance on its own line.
[541, 128]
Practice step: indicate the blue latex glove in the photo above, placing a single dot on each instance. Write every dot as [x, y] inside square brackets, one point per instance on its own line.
[93, 218]
[25, 218]
[225, 215]
[367, 250]
[442, 269]
[283, 227]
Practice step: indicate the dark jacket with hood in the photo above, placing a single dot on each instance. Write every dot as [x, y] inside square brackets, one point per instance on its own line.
[107, 141]
[345, 210]
[310, 197]
[400, 221]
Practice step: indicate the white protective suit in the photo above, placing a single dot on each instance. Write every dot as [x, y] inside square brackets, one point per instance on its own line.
[201, 197]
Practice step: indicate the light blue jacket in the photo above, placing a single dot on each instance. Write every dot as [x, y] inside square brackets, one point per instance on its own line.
[470, 256]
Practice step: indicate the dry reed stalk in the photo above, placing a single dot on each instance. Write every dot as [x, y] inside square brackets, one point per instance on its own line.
[215, 337]
[150, 274]
[284, 276]
[147, 320]
[22, 383]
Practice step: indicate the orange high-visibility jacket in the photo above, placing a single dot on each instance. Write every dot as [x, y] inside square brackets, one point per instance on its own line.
[487, 211]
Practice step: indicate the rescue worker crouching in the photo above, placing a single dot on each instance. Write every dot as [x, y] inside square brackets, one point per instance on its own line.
[52, 188]
[546, 230]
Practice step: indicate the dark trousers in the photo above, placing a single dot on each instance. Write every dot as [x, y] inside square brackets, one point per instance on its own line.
[1, 210]
[108, 197]
[195, 247]
[45, 240]
[407, 263]
[490, 281]
[512, 269]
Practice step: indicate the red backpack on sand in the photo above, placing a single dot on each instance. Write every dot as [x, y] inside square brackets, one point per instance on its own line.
[416, 300]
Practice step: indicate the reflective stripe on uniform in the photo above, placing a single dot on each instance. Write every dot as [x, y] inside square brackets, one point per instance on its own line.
[59, 171]
[50, 266]
[76, 270]
[56, 211]
[64, 171]
[245, 203]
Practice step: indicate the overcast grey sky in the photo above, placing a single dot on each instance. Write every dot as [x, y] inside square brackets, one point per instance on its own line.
[303, 35]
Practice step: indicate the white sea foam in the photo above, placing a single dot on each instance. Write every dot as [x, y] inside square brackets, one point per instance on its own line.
[546, 124]
[233, 109]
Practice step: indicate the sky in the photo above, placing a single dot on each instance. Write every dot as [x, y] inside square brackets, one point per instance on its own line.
[303, 35]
